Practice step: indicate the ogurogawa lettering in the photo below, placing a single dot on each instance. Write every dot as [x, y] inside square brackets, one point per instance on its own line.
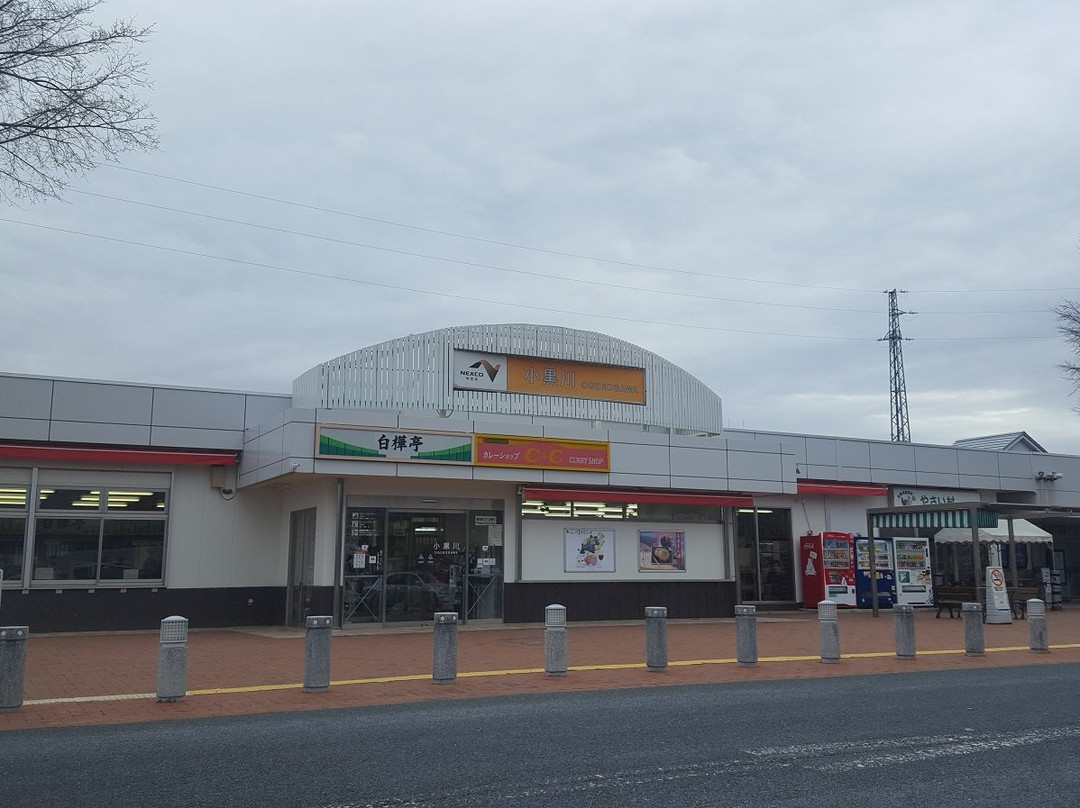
[608, 387]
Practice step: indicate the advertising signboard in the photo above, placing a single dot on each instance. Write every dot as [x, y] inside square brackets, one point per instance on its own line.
[503, 373]
[542, 453]
[399, 445]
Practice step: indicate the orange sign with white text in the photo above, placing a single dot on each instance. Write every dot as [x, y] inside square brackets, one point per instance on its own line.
[555, 377]
[542, 453]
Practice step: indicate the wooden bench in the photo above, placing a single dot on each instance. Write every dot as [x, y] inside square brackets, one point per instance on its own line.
[1019, 597]
[952, 598]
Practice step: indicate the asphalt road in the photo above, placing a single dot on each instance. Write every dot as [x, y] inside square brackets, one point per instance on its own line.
[991, 737]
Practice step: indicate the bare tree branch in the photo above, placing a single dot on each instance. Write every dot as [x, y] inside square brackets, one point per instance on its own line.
[69, 94]
[1068, 314]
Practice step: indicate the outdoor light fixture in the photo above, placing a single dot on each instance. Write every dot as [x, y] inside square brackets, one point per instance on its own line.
[1048, 476]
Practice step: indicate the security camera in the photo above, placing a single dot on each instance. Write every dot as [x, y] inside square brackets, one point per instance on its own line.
[296, 467]
[226, 492]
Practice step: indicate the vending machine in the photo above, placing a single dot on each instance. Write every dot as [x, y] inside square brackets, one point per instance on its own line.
[886, 573]
[914, 582]
[828, 569]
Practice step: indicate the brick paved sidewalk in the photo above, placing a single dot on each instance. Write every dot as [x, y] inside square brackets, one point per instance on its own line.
[79, 679]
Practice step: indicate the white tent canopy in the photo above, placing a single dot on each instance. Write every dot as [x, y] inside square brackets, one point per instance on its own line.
[1023, 531]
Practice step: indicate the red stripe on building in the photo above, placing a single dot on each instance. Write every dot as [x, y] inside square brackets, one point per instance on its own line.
[155, 457]
[842, 489]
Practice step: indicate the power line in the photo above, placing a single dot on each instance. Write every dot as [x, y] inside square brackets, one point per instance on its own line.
[482, 240]
[461, 262]
[327, 276]
[511, 270]
[589, 314]
[563, 254]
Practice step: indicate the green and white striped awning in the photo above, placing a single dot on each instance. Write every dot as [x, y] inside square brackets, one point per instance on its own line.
[983, 518]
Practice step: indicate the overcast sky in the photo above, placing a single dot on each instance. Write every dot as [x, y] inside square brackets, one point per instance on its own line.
[731, 185]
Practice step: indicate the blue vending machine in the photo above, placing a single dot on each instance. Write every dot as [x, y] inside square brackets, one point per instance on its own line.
[886, 573]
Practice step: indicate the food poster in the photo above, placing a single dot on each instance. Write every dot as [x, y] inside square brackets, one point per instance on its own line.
[589, 549]
[661, 551]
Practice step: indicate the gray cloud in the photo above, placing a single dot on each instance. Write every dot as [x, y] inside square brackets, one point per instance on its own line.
[810, 155]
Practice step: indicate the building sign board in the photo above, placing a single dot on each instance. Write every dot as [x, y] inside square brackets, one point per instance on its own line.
[905, 497]
[542, 453]
[547, 377]
[400, 445]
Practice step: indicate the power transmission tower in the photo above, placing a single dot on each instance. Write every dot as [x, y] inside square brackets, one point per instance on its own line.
[900, 428]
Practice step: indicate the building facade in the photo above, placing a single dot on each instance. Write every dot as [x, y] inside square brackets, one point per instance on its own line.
[489, 470]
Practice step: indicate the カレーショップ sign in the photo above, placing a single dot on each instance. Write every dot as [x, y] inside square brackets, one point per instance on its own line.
[542, 453]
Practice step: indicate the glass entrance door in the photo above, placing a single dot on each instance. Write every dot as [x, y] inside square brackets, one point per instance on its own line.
[425, 566]
[301, 566]
[765, 555]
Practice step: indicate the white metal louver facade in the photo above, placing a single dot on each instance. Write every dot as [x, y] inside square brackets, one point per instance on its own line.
[414, 373]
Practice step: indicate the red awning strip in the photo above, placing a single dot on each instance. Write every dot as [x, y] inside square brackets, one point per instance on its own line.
[155, 457]
[842, 489]
[655, 497]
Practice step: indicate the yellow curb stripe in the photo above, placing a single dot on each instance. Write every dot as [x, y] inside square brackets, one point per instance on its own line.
[78, 699]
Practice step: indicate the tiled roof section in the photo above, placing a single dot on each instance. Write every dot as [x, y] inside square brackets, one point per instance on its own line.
[1007, 442]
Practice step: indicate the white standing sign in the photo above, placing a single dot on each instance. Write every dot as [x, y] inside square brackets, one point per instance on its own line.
[997, 597]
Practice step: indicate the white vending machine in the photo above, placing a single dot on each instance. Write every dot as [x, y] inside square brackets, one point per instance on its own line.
[914, 584]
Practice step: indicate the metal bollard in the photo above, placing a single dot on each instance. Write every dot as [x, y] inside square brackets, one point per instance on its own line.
[555, 640]
[656, 656]
[1038, 641]
[746, 635]
[12, 665]
[829, 631]
[444, 663]
[974, 644]
[904, 627]
[172, 660]
[317, 653]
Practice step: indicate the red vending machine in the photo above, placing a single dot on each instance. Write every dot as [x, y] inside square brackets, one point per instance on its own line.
[828, 569]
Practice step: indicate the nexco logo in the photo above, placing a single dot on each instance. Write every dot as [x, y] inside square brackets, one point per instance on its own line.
[477, 370]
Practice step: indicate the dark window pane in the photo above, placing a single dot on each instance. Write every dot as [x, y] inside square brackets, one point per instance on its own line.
[68, 499]
[132, 500]
[12, 541]
[132, 548]
[12, 497]
[66, 549]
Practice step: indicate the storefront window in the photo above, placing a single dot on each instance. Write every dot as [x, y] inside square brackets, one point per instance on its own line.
[66, 499]
[12, 541]
[13, 515]
[74, 540]
[12, 498]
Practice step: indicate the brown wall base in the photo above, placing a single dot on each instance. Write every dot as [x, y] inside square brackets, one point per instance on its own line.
[43, 610]
[619, 600]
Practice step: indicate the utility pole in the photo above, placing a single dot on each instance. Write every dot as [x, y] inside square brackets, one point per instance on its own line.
[900, 428]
